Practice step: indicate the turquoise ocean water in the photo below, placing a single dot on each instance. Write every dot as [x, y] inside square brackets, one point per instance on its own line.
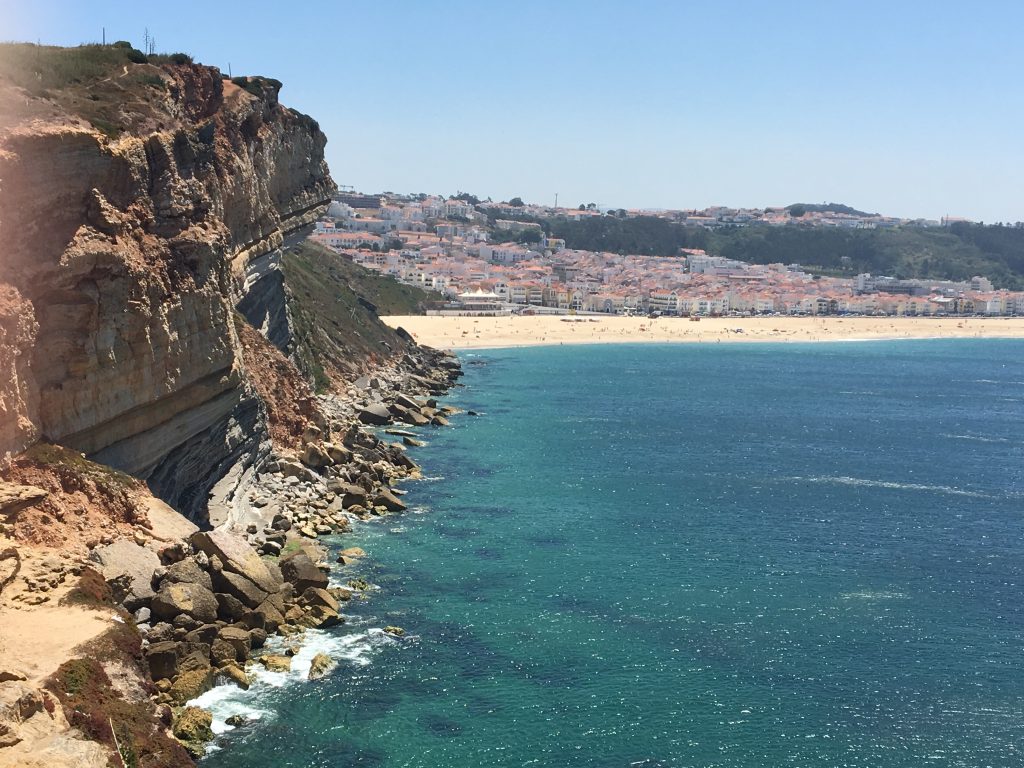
[729, 555]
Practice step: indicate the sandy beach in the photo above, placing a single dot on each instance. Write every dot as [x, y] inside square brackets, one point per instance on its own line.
[521, 331]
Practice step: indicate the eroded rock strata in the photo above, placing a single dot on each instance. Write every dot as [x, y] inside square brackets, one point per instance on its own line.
[176, 431]
[123, 259]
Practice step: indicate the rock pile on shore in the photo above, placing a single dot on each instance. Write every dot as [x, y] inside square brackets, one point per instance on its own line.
[206, 606]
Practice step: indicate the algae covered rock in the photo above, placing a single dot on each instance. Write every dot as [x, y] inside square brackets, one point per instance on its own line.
[192, 727]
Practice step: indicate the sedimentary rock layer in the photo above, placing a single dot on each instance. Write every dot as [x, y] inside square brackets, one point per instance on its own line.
[121, 259]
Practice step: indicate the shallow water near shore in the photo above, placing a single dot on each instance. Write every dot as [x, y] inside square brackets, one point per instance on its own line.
[647, 555]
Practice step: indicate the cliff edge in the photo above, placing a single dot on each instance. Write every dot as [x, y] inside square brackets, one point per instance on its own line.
[133, 196]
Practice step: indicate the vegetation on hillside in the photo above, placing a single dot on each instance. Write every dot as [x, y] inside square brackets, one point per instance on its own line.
[799, 209]
[334, 306]
[956, 252]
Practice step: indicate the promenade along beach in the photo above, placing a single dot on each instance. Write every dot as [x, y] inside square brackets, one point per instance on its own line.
[468, 332]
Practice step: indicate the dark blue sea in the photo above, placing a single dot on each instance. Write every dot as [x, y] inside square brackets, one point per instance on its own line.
[729, 555]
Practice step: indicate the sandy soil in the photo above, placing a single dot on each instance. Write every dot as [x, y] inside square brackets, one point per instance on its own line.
[38, 639]
[517, 331]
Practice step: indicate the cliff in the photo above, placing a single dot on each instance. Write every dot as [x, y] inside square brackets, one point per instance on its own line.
[133, 199]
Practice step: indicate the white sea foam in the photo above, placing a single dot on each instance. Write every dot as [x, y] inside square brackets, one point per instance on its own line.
[871, 595]
[861, 482]
[227, 700]
[978, 438]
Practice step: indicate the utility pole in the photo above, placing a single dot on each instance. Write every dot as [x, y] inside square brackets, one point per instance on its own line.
[104, 36]
[556, 200]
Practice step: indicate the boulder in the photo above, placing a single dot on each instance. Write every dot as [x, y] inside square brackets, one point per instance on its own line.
[201, 637]
[132, 566]
[192, 727]
[315, 596]
[315, 457]
[198, 657]
[230, 608]
[353, 552]
[412, 442]
[388, 500]
[187, 572]
[439, 421]
[235, 674]
[222, 652]
[407, 402]
[320, 666]
[376, 414]
[239, 638]
[236, 556]
[415, 418]
[339, 454]
[230, 583]
[396, 631]
[302, 572]
[296, 470]
[191, 600]
[319, 616]
[163, 659]
[267, 617]
[275, 663]
[191, 685]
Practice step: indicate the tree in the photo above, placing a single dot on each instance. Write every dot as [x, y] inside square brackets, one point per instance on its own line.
[582, 207]
[517, 202]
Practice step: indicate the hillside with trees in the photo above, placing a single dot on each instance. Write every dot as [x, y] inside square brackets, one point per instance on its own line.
[956, 252]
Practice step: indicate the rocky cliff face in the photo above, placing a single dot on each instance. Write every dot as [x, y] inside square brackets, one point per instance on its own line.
[121, 260]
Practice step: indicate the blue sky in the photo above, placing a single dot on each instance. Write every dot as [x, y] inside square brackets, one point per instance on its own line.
[908, 108]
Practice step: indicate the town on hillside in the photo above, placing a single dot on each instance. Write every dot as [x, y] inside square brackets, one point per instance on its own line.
[481, 263]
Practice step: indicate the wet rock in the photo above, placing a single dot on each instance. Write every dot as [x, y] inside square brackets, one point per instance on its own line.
[192, 727]
[190, 685]
[235, 674]
[395, 631]
[275, 663]
[237, 721]
[412, 442]
[389, 501]
[257, 637]
[320, 666]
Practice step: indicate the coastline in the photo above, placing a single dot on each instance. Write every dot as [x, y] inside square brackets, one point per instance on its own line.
[467, 332]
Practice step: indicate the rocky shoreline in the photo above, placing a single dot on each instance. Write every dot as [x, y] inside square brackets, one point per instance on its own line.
[204, 606]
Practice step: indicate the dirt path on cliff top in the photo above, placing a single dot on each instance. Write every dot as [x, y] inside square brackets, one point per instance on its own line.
[35, 640]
